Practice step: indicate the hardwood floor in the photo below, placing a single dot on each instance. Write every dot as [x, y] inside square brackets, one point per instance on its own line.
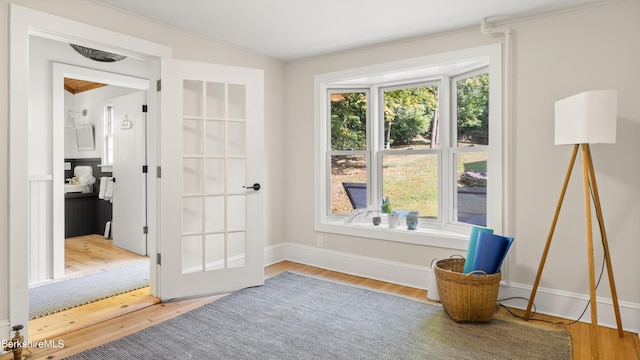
[86, 255]
[94, 253]
[77, 340]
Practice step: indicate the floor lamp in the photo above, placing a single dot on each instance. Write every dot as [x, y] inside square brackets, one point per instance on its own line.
[583, 119]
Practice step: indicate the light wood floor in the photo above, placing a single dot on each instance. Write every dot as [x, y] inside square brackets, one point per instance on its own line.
[93, 253]
[86, 255]
[113, 327]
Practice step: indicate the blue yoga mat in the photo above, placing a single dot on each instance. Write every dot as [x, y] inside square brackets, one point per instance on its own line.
[471, 251]
[490, 252]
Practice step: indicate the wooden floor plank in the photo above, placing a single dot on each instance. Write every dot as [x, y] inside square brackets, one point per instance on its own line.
[94, 253]
[632, 345]
[584, 348]
[48, 327]
[608, 348]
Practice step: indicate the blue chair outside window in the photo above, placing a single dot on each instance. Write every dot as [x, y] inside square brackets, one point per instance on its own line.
[357, 194]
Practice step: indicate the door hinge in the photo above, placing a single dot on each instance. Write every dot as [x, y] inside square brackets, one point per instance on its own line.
[159, 85]
[145, 229]
[159, 259]
[145, 169]
[159, 172]
[144, 108]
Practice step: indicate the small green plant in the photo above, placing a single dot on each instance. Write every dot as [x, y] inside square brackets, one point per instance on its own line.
[386, 206]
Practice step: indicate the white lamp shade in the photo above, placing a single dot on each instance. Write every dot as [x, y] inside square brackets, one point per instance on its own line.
[587, 118]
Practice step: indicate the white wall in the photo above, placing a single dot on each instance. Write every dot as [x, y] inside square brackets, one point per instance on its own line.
[554, 56]
[94, 102]
[42, 53]
[185, 46]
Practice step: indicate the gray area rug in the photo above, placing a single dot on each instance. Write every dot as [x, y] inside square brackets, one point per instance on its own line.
[66, 294]
[300, 317]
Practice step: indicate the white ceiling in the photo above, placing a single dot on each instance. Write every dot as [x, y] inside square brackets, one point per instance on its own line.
[296, 29]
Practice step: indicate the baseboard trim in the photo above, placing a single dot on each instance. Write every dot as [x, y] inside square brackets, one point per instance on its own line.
[372, 268]
[553, 302]
[274, 254]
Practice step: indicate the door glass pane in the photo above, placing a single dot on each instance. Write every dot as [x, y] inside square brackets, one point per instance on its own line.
[236, 249]
[215, 214]
[411, 183]
[348, 183]
[191, 215]
[192, 98]
[192, 176]
[192, 137]
[237, 101]
[214, 251]
[473, 110]
[237, 141]
[215, 176]
[215, 138]
[237, 178]
[191, 253]
[236, 210]
[471, 197]
[216, 100]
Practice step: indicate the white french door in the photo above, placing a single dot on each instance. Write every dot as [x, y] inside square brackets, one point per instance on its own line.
[211, 148]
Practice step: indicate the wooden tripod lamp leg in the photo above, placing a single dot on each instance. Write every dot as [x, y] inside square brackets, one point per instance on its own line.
[605, 244]
[596, 341]
[527, 313]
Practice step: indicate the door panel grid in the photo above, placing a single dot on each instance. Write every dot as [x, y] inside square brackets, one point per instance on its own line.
[214, 172]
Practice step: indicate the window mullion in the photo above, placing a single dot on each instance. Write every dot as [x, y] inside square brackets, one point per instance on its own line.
[375, 161]
[446, 108]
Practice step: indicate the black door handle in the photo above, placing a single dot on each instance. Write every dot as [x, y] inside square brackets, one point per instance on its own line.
[255, 187]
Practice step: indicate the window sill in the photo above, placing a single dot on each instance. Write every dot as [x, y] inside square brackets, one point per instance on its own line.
[106, 168]
[421, 236]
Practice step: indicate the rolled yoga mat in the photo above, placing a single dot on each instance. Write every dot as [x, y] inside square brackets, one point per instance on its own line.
[490, 252]
[473, 242]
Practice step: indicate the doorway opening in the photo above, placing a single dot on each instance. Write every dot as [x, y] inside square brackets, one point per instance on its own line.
[84, 239]
[31, 159]
[92, 198]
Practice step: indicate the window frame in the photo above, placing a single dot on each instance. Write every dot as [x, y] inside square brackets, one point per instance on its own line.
[453, 139]
[329, 153]
[446, 234]
[108, 133]
[381, 151]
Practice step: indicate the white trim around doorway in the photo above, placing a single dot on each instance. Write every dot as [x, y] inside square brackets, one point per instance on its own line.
[25, 22]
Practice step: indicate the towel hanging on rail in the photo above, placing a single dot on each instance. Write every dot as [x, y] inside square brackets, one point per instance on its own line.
[106, 188]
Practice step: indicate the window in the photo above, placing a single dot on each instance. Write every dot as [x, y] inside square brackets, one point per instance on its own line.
[109, 129]
[424, 134]
[409, 147]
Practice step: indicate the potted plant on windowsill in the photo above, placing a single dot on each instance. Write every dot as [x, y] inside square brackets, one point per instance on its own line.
[392, 218]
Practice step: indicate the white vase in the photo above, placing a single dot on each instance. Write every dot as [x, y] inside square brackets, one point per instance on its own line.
[432, 293]
[393, 219]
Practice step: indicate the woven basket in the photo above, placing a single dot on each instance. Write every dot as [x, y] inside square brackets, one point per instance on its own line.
[466, 297]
